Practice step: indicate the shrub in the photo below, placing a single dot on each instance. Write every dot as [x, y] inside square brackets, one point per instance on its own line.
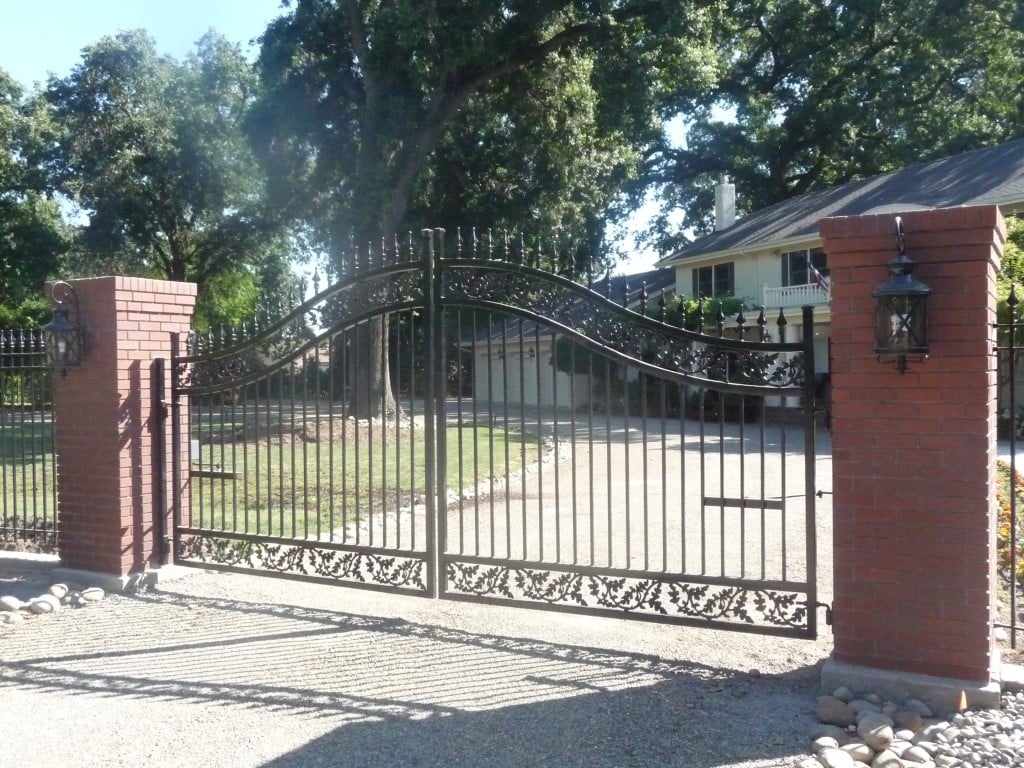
[1006, 538]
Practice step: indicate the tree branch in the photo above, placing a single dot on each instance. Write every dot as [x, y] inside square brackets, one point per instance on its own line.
[453, 92]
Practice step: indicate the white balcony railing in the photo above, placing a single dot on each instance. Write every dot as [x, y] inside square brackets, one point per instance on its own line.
[795, 296]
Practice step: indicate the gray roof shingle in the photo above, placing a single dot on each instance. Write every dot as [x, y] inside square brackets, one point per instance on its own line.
[984, 176]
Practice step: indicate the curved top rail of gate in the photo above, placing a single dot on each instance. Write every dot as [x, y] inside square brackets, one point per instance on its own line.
[504, 281]
[750, 366]
[241, 355]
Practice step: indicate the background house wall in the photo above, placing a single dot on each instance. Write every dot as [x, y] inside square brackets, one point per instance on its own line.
[519, 378]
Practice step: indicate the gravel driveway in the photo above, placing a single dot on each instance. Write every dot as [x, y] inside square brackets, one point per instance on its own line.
[211, 669]
[225, 670]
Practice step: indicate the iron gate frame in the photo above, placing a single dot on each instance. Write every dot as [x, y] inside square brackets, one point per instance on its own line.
[426, 279]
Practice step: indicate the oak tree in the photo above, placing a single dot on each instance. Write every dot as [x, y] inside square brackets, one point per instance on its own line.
[378, 115]
[814, 93]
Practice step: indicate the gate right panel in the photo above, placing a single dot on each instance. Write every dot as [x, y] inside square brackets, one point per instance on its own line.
[660, 476]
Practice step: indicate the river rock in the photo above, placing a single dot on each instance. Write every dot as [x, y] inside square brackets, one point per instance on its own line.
[899, 746]
[823, 742]
[863, 705]
[835, 758]
[917, 754]
[93, 594]
[930, 732]
[916, 705]
[844, 694]
[7, 617]
[886, 759]
[10, 603]
[841, 735]
[59, 591]
[833, 711]
[875, 729]
[861, 753]
[44, 604]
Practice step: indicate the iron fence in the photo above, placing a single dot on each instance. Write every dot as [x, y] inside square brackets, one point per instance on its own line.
[1010, 486]
[28, 478]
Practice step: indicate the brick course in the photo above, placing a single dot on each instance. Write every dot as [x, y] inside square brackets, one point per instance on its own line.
[913, 453]
[104, 423]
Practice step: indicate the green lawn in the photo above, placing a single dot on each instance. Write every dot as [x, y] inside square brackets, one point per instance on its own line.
[310, 487]
[27, 472]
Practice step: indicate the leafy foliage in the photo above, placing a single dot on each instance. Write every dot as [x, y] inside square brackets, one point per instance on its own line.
[32, 237]
[153, 153]
[1011, 271]
[378, 117]
[382, 117]
[862, 88]
[697, 315]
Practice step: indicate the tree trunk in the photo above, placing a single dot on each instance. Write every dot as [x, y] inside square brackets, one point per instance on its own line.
[369, 372]
[371, 394]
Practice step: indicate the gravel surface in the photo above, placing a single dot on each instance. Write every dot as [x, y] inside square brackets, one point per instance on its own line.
[216, 670]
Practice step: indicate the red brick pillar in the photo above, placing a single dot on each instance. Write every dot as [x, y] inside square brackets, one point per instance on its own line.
[105, 420]
[913, 461]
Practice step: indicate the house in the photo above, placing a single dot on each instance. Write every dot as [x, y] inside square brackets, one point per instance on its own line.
[774, 256]
[512, 360]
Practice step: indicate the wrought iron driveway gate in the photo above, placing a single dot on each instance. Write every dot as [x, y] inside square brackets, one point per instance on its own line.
[550, 444]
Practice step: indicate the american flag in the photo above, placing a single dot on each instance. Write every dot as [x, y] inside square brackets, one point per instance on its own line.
[823, 282]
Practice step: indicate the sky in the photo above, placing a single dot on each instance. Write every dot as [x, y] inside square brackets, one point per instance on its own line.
[43, 37]
[39, 38]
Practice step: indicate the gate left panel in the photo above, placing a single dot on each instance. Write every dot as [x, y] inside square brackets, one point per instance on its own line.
[295, 465]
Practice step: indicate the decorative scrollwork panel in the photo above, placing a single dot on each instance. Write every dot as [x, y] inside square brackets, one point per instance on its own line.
[226, 358]
[672, 598]
[625, 332]
[305, 559]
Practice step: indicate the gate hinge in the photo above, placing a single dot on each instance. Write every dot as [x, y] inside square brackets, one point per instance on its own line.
[820, 494]
[828, 612]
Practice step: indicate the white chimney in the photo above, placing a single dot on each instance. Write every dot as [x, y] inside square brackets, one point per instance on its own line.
[725, 204]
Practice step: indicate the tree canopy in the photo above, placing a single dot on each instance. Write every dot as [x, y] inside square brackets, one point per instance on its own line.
[814, 93]
[362, 119]
[383, 116]
[32, 236]
[153, 152]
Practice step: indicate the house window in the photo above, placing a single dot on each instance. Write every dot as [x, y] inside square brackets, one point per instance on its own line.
[794, 266]
[715, 281]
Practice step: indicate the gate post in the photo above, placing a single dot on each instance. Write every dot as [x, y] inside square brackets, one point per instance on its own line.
[913, 463]
[105, 426]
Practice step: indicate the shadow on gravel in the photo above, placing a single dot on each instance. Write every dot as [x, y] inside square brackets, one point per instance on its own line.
[388, 692]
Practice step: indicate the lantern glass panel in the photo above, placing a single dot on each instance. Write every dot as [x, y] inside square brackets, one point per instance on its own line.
[901, 324]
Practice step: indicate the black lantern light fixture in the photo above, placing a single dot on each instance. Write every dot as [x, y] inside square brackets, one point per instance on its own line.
[901, 311]
[64, 336]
